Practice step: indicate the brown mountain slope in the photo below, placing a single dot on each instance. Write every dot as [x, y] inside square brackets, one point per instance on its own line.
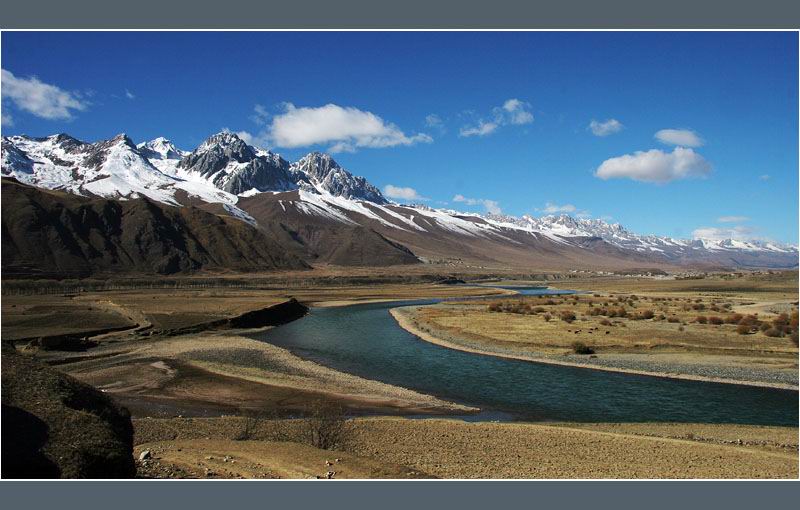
[317, 238]
[57, 234]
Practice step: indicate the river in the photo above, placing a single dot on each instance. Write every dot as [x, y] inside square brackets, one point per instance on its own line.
[365, 340]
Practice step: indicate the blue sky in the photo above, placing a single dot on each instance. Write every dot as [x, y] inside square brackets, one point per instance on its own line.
[512, 113]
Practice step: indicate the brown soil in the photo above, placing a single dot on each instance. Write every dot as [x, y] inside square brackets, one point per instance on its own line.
[456, 449]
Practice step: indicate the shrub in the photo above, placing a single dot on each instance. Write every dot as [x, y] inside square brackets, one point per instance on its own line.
[733, 319]
[715, 320]
[743, 329]
[250, 423]
[780, 321]
[324, 426]
[698, 306]
[547, 317]
[581, 348]
[672, 319]
[773, 332]
[567, 316]
[646, 314]
[701, 319]
[494, 307]
[605, 322]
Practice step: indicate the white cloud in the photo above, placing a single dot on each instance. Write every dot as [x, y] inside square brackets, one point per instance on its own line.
[346, 128]
[655, 166]
[402, 193]
[551, 208]
[606, 128]
[129, 94]
[739, 232]
[681, 137]
[517, 112]
[247, 138]
[40, 99]
[7, 120]
[260, 115]
[491, 206]
[512, 112]
[764, 177]
[434, 121]
[732, 219]
[482, 129]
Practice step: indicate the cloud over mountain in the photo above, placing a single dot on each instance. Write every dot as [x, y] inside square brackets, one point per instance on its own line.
[402, 193]
[345, 128]
[655, 166]
[39, 98]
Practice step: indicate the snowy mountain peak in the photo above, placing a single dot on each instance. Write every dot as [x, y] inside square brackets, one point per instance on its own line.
[160, 148]
[228, 163]
[226, 142]
[322, 171]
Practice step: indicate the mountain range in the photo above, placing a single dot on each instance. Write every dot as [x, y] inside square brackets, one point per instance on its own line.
[301, 213]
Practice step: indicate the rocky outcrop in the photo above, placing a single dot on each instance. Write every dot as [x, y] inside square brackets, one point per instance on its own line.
[57, 427]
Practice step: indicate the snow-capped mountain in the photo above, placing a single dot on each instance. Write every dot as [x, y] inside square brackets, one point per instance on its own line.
[232, 165]
[565, 225]
[311, 202]
[160, 148]
[325, 174]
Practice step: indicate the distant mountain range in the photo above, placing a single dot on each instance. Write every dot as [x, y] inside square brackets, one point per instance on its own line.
[314, 211]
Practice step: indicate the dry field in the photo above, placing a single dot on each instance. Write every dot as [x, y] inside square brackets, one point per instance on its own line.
[454, 449]
[27, 316]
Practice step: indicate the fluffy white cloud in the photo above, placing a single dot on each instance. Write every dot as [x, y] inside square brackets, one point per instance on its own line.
[764, 177]
[732, 219]
[681, 137]
[482, 129]
[606, 128]
[739, 232]
[512, 112]
[7, 120]
[491, 206]
[655, 166]
[402, 193]
[347, 128]
[129, 94]
[41, 99]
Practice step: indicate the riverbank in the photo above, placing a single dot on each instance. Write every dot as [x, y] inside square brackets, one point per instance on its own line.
[409, 319]
[216, 373]
[446, 448]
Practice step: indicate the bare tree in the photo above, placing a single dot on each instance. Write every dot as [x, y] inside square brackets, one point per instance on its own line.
[324, 426]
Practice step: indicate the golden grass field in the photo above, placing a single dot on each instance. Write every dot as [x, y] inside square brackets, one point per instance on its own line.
[748, 322]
